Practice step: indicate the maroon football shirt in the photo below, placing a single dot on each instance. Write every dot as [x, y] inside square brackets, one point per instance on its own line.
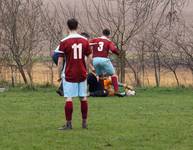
[74, 48]
[103, 46]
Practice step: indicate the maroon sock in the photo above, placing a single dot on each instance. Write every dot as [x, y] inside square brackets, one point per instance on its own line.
[84, 109]
[68, 110]
[115, 83]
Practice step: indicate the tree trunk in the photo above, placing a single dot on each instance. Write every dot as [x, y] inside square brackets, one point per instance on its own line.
[23, 74]
[1, 73]
[192, 75]
[122, 67]
[12, 77]
[29, 72]
[142, 65]
[52, 75]
[156, 69]
[136, 76]
[21, 70]
[31, 79]
[176, 77]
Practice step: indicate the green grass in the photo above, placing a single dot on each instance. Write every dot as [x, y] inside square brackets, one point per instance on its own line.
[154, 119]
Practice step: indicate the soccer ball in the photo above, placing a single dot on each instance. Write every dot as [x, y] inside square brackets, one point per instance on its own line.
[130, 93]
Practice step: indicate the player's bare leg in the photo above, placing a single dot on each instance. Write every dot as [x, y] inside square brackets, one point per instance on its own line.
[84, 111]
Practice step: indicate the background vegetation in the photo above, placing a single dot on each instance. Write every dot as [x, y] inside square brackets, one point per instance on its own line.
[153, 36]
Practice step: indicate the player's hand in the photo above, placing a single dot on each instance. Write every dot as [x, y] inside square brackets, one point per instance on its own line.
[97, 78]
[59, 79]
[94, 71]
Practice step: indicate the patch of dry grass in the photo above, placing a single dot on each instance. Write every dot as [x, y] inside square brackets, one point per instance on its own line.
[42, 75]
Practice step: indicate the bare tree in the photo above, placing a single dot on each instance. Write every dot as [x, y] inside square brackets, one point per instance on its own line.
[53, 29]
[149, 33]
[171, 61]
[21, 32]
[162, 32]
[125, 18]
[186, 49]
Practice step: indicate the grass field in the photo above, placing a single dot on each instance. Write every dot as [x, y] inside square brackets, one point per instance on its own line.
[154, 119]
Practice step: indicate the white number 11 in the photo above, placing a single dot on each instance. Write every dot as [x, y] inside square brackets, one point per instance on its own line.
[77, 50]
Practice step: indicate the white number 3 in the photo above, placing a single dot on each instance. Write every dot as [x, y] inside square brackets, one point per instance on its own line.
[101, 44]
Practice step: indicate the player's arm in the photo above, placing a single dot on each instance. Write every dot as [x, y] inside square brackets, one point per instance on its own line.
[89, 54]
[60, 67]
[114, 49]
[89, 62]
[91, 67]
[60, 60]
[92, 43]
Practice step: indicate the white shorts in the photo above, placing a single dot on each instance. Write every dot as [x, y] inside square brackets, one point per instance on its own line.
[103, 66]
[74, 89]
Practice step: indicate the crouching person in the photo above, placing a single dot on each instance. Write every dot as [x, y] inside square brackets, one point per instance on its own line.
[55, 55]
[95, 86]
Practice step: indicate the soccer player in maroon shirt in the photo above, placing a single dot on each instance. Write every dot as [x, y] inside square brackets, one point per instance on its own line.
[101, 62]
[73, 49]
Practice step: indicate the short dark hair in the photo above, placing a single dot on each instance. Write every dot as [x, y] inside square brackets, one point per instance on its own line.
[72, 24]
[106, 32]
[85, 34]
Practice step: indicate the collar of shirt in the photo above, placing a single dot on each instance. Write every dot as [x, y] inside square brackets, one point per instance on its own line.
[73, 32]
[104, 37]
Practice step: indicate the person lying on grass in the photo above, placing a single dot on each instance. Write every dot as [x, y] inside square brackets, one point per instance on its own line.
[103, 87]
[124, 89]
